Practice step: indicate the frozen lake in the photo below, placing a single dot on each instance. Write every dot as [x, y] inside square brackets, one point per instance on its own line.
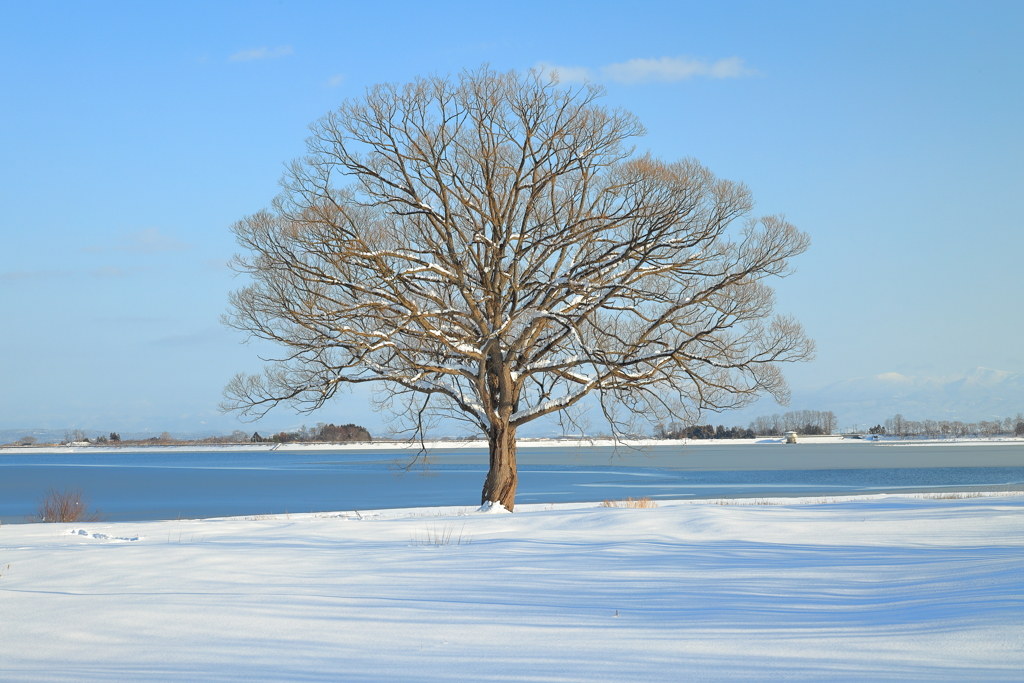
[167, 484]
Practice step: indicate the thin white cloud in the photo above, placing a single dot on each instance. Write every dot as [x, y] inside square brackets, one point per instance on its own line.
[662, 70]
[205, 336]
[146, 241]
[335, 80]
[669, 69]
[103, 272]
[565, 74]
[150, 241]
[16, 275]
[218, 265]
[108, 271]
[133, 319]
[261, 53]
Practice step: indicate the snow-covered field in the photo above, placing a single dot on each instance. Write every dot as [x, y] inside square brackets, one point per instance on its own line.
[868, 589]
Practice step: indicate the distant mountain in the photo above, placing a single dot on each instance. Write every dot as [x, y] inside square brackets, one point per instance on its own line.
[981, 394]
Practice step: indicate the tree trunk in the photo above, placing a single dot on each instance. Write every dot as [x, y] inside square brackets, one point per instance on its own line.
[502, 477]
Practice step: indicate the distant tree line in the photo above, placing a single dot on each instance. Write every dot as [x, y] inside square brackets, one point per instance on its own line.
[165, 438]
[897, 425]
[329, 433]
[114, 438]
[675, 431]
[807, 422]
[72, 435]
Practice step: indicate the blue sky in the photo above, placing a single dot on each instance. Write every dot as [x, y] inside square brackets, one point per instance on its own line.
[133, 134]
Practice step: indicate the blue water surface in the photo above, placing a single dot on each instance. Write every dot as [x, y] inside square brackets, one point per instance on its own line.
[165, 484]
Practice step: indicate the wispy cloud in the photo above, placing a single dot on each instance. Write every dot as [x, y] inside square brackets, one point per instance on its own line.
[218, 265]
[335, 80]
[662, 70]
[261, 53]
[103, 272]
[205, 336]
[668, 69]
[146, 241]
[132, 320]
[108, 271]
[17, 275]
[567, 74]
[151, 240]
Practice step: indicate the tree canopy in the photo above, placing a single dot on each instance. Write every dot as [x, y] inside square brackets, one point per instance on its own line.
[491, 247]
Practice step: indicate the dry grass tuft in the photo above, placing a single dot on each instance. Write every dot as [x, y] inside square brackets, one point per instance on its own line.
[630, 503]
[444, 536]
[69, 505]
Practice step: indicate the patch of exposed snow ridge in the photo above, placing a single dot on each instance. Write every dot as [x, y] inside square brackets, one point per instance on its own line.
[105, 537]
[492, 507]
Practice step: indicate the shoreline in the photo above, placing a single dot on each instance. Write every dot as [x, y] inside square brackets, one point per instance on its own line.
[521, 444]
[441, 511]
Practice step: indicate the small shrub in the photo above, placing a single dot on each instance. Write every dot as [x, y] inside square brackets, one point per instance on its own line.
[68, 505]
[630, 503]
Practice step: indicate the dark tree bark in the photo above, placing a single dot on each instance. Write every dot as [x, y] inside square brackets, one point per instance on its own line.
[502, 474]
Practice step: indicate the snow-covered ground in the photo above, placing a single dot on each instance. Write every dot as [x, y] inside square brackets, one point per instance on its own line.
[883, 588]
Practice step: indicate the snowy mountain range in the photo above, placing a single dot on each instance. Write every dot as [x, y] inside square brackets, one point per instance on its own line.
[981, 394]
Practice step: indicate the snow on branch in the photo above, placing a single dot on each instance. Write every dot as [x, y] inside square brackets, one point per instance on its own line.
[493, 241]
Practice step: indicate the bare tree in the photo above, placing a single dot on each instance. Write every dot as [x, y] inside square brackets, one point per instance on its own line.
[73, 435]
[897, 425]
[488, 247]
